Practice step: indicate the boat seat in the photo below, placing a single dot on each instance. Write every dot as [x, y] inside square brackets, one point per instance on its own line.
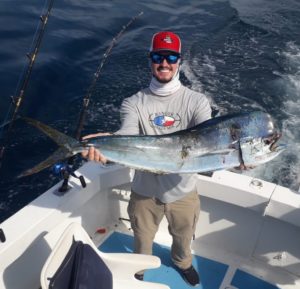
[75, 252]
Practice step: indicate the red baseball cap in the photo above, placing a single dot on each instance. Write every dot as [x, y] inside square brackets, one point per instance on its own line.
[165, 40]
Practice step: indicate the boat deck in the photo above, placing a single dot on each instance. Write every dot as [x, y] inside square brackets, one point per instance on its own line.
[213, 274]
[247, 236]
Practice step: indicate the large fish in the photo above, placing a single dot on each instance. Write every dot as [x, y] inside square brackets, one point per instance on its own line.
[246, 139]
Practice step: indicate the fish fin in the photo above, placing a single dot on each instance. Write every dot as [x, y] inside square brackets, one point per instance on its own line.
[60, 138]
[57, 156]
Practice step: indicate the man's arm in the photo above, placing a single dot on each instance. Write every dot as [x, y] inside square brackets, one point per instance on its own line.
[202, 109]
[129, 118]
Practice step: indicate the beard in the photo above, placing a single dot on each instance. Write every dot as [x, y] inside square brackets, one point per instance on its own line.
[160, 78]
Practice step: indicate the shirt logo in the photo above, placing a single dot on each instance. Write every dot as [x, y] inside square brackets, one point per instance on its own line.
[164, 120]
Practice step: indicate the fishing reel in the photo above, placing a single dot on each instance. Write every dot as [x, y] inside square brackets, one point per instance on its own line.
[66, 170]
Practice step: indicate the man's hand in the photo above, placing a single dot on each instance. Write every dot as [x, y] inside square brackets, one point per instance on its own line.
[93, 154]
[242, 167]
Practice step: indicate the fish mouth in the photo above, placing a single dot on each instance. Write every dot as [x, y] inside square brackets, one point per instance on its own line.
[272, 142]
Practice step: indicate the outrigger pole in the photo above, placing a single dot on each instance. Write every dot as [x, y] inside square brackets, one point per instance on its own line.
[85, 103]
[20, 92]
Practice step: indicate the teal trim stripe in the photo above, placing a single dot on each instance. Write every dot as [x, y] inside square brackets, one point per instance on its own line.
[211, 272]
[243, 280]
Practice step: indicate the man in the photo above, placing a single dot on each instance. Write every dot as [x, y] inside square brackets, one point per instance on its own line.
[164, 107]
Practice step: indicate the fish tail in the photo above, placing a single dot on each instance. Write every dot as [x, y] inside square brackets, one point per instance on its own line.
[57, 156]
[67, 147]
[60, 138]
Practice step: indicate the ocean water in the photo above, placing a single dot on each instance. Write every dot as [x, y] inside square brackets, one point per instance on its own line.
[243, 54]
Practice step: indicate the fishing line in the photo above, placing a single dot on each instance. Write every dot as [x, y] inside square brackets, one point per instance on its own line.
[67, 170]
[22, 85]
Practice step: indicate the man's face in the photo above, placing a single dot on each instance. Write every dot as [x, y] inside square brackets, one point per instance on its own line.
[164, 71]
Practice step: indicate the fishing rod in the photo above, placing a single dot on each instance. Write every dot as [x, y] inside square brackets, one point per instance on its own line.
[90, 90]
[67, 170]
[16, 100]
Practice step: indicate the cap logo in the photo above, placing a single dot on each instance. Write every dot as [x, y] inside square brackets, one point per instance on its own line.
[168, 39]
[165, 40]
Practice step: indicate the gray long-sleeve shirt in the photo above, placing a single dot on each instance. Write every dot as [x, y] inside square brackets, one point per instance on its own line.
[149, 114]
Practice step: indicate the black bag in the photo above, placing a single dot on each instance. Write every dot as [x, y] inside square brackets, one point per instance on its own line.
[82, 268]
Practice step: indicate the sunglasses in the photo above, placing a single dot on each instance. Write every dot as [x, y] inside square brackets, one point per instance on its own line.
[159, 58]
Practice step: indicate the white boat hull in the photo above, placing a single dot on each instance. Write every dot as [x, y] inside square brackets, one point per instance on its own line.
[245, 223]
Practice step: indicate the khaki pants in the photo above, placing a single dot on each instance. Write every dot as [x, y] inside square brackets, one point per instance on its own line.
[182, 215]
